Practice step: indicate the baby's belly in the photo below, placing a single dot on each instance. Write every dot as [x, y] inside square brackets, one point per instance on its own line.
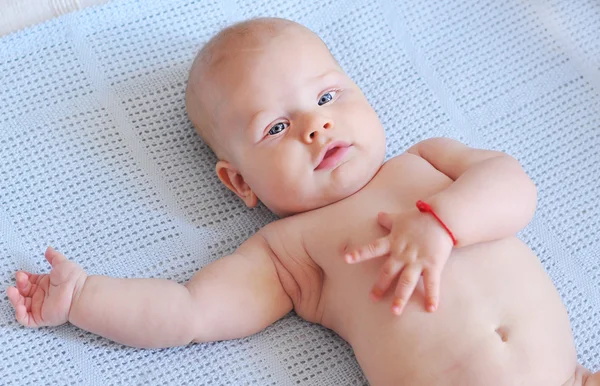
[500, 322]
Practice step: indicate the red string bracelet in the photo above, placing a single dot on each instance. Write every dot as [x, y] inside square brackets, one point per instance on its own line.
[425, 207]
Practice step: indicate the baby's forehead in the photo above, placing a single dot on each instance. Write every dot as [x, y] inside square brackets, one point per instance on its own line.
[240, 65]
[236, 64]
[253, 35]
[259, 39]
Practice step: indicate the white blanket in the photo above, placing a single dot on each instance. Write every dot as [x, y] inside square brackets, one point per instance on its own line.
[99, 160]
[18, 14]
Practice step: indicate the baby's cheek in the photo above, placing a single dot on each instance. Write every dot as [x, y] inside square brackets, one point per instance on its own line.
[279, 187]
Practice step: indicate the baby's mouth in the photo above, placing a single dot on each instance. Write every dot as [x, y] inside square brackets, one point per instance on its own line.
[331, 151]
[333, 155]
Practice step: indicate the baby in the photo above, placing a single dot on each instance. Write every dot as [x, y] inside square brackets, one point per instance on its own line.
[455, 297]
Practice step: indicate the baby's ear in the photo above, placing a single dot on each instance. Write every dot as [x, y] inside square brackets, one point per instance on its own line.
[235, 182]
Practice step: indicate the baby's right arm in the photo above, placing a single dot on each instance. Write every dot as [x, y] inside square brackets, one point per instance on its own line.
[233, 297]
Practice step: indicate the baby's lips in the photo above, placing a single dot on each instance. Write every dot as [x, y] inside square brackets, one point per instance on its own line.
[328, 147]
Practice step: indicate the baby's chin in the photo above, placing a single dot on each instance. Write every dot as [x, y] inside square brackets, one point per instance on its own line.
[318, 199]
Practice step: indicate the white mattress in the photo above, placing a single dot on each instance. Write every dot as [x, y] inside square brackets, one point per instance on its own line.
[18, 14]
[99, 160]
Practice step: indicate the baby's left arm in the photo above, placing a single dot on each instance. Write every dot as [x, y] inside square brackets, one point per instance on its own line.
[491, 198]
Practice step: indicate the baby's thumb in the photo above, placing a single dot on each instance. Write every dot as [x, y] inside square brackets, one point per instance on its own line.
[385, 220]
[53, 256]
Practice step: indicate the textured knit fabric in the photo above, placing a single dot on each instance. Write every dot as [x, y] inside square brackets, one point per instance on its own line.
[99, 160]
[17, 14]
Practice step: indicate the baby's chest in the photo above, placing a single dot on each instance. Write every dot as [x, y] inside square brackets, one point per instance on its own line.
[311, 247]
[352, 222]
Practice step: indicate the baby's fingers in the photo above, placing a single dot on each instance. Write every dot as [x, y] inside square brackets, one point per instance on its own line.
[377, 248]
[407, 282]
[431, 281]
[389, 271]
[19, 303]
[53, 256]
[15, 297]
[25, 283]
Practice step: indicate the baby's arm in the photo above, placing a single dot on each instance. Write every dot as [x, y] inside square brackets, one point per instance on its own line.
[235, 296]
[491, 197]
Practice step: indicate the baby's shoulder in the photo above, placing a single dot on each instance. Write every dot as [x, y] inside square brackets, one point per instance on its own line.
[299, 274]
[285, 235]
[403, 159]
[403, 164]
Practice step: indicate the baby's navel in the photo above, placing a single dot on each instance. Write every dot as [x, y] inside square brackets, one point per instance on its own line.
[346, 246]
[502, 332]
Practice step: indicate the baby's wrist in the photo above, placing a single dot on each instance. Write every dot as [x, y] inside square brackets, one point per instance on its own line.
[77, 291]
[427, 210]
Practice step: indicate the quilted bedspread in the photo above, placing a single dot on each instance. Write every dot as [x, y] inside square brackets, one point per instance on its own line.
[98, 159]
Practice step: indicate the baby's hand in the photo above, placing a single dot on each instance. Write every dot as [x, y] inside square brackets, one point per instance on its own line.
[417, 245]
[45, 300]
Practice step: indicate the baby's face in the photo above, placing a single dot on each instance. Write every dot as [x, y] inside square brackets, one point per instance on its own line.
[296, 127]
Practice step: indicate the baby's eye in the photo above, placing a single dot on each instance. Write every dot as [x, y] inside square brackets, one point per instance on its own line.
[278, 128]
[326, 98]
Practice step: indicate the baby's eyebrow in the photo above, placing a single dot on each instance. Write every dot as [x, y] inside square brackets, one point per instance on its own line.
[255, 119]
[330, 76]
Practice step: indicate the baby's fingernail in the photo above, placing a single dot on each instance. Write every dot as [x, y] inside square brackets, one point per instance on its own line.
[351, 258]
[431, 308]
[397, 306]
[376, 293]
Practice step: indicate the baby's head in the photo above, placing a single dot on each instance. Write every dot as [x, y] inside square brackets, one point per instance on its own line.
[289, 127]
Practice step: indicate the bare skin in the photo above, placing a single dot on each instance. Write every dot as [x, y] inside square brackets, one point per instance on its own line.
[485, 330]
[352, 252]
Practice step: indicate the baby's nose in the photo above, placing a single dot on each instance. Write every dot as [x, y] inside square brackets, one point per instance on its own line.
[314, 130]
